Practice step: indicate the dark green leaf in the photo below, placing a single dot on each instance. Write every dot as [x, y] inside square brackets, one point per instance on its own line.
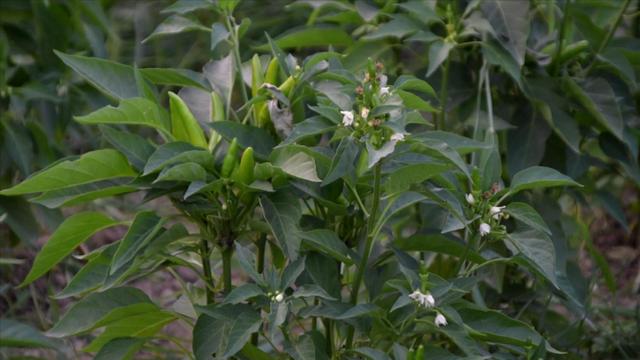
[92, 166]
[83, 315]
[327, 242]
[71, 233]
[248, 136]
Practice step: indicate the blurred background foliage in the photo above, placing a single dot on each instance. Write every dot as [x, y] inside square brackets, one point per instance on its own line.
[570, 104]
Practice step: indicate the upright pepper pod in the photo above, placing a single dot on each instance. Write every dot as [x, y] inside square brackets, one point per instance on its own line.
[244, 172]
[217, 114]
[419, 353]
[231, 159]
[184, 125]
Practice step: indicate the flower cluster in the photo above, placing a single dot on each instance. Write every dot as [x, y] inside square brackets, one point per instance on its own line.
[490, 214]
[427, 301]
[423, 299]
[372, 92]
[276, 296]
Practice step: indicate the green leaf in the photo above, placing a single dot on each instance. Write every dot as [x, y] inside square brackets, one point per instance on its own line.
[461, 144]
[208, 335]
[17, 334]
[527, 215]
[186, 172]
[176, 153]
[494, 326]
[243, 293]
[343, 161]
[109, 77]
[441, 150]
[312, 290]
[72, 232]
[438, 53]
[242, 327]
[84, 193]
[176, 77]
[539, 177]
[510, 20]
[175, 24]
[371, 353]
[91, 276]
[83, 315]
[327, 242]
[136, 148]
[309, 127]
[134, 111]
[312, 36]
[142, 325]
[92, 166]
[144, 228]
[597, 96]
[403, 178]
[120, 349]
[537, 248]
[300, 165]
[415, 102]
[283, 216]
[439, 243]
[399, 27]
[248, 136]
[496, 55]
[409, 83]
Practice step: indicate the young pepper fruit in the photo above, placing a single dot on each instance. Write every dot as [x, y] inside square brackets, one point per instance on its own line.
[184, 125]
[230, 160]
[244, 172]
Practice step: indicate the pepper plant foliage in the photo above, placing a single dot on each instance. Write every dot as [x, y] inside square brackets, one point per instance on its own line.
[323, 213]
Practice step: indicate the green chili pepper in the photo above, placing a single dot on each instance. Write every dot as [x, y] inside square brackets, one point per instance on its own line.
[244, 173]
[411, 355]
[184, 125]
[230, 160]
[419, 353]
[271, 76]
[217, 114]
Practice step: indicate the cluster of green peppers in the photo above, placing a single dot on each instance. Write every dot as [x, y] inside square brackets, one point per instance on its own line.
[258, 80]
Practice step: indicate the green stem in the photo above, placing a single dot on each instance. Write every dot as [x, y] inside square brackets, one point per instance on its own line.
[226, 268]
[206, 267]
[368, 245]
[236, 55]
[556, 57]
[608, 37]
[262, 243]
[443, 94]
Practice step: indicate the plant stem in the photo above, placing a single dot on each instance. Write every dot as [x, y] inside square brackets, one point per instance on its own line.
[206, 268]
[563, 25]
[226, 268]
[443, 95]
[608, 36]
[236, 55]
[368, 245]
[262, 243]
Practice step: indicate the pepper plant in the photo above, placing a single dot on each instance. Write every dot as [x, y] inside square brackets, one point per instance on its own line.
[324, 215]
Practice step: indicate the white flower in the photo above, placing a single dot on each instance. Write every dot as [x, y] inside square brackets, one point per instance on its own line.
[496, 211]
[484, 229]
[384, 90]
[397, 137]
[470, 199]
[347, 118]
[364, 112]
[279, 297]
[425, 300]
[440, 320]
